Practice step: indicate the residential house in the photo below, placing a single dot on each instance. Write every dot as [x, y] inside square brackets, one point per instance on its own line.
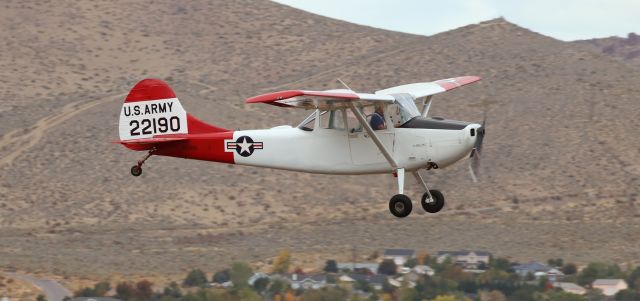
[423, 270]
[467, 259]
[399, 256]
[376, 281]
[570, 288]
[359, 267]
[610, 287]
[554, 275]
[531, 269]
[302, 281]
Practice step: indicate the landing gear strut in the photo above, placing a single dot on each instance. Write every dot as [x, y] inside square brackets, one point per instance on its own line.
[432, 200]
[400, 205]
[136, 170]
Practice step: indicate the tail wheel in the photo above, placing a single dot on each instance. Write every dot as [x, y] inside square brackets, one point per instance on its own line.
[433, 205]
[400, 205]
[136, 170]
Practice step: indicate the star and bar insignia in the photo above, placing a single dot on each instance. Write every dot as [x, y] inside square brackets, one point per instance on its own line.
[244, 146]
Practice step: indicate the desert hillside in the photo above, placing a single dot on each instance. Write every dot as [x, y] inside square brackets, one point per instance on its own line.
[626, 50]
[560, 171]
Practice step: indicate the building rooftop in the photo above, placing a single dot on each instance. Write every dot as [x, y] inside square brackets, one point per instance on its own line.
[399, 252]
[608, 281]
[463, 253]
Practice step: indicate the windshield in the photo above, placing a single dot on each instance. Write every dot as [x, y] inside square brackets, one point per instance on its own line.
[308, 124]
[408, 108]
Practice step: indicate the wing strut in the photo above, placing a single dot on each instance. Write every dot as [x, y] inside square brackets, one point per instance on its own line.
[373, 135]
[426, 105]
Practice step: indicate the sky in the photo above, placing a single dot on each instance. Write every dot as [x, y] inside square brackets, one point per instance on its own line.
[566, 20]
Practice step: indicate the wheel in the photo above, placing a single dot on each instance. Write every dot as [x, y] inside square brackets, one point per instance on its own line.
[136, 170]
[435, 204]
[400, 205]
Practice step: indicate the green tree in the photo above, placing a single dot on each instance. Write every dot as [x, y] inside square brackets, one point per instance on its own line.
[41, 298]
[101, 288]
[362, 285]
[331, 266]
[240, 273]
[564, 296]
[173, 290]
[594, 295]
[125, 291]
[627, 295]
[387, 267]
[222, 276]
[261, 284]
[569, 269]
[598, 270]
[278, 287]
[85, 292]
[455, 273]
[412, 262]
[408, 294]
[325, 293]
[387, 287]
[500, 264]
[245, 294]
[555, 262]
[196, 277]
[524, 293]
[634, 279]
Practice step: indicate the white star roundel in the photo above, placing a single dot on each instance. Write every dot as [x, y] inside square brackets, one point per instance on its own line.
[244, 146]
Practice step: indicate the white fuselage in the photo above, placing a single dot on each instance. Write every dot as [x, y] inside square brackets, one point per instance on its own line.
[333, 151]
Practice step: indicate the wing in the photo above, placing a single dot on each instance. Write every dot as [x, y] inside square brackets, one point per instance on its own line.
[419, 90]
[324, 100]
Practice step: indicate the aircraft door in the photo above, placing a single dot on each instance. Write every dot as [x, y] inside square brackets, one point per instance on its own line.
[363, 150]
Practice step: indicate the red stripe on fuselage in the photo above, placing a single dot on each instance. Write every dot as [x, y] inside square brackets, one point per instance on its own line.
[208, 147]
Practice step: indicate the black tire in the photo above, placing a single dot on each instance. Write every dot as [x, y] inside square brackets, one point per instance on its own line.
[400, 205]
[136, 170]
[436, 204]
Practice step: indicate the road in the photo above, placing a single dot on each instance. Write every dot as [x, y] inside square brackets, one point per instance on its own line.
[53, 290]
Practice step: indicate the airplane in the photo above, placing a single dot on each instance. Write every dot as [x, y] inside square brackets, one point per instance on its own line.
[336, 138]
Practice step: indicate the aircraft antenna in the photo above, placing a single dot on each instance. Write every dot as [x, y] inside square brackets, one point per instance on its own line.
[339, 80]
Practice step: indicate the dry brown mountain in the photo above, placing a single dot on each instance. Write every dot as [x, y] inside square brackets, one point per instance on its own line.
[561, 167]
[626, 49]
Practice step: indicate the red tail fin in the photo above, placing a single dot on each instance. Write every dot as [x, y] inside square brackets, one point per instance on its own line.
[152, 109]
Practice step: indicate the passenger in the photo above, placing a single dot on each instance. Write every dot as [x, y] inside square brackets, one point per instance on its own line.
[377, 119]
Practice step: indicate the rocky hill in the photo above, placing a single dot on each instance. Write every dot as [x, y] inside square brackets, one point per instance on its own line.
[560, 170]
[626, 49]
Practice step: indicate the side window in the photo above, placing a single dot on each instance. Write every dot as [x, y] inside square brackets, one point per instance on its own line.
[352, 121]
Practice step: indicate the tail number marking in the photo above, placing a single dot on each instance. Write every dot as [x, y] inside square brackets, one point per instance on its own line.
[152, 126]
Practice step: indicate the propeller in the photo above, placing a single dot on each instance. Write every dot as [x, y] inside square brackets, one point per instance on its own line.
[476, 152]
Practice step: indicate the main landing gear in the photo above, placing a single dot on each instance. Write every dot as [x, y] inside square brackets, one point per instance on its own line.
[400, 205]
[136, 170]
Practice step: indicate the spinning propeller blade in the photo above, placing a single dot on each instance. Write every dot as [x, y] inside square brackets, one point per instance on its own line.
[474, 158]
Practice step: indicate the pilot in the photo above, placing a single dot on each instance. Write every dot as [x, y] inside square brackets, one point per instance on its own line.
[377, 119]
